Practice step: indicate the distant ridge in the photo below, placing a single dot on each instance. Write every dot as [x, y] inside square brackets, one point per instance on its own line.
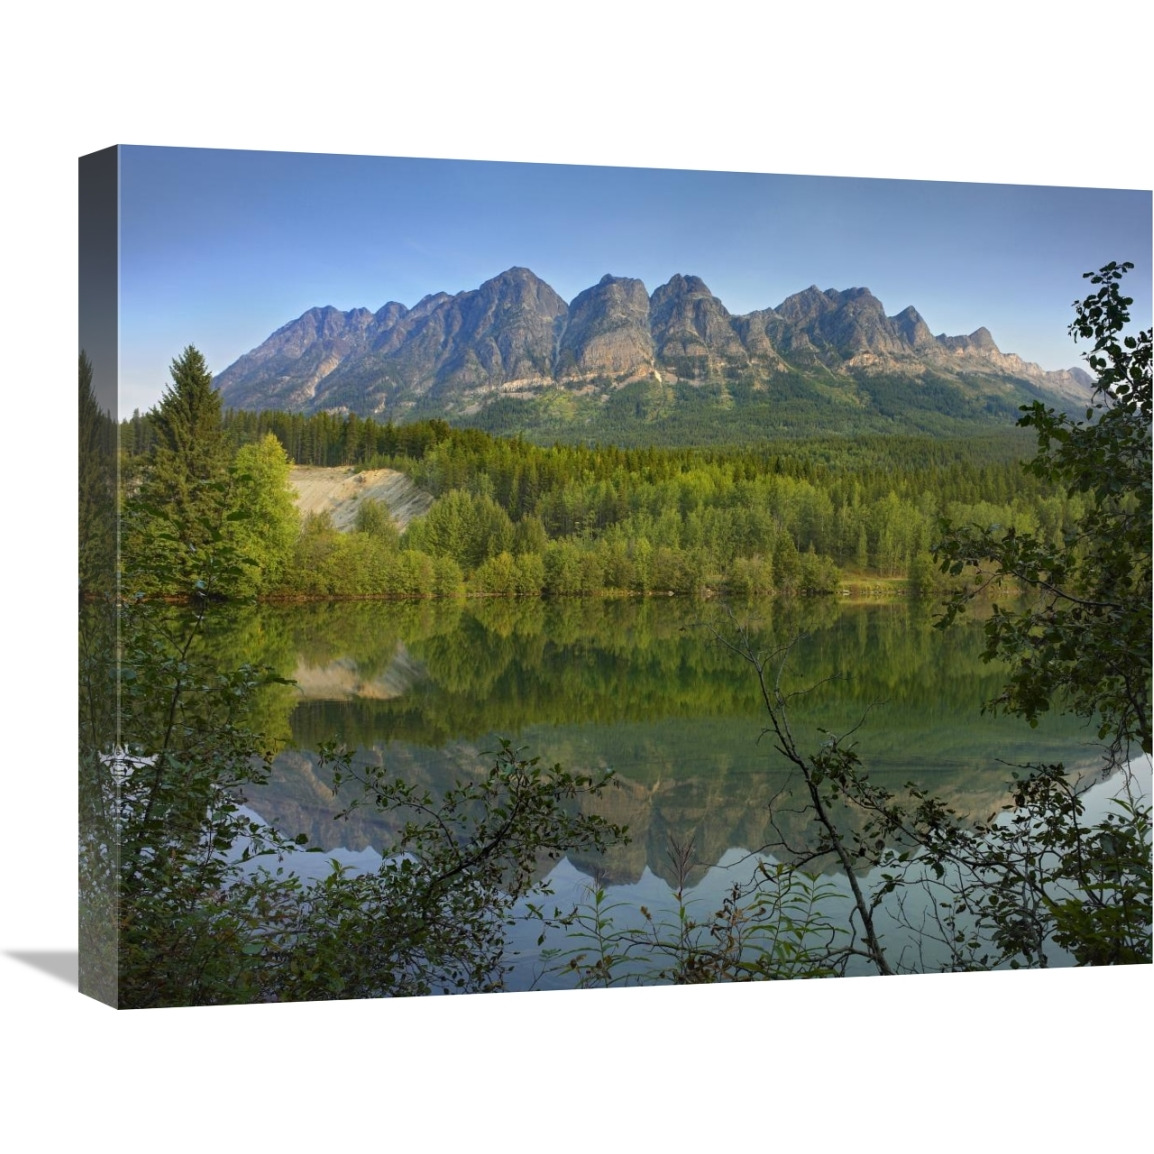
[515, 338]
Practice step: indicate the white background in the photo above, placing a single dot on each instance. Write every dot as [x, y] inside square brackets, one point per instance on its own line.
[981, 91]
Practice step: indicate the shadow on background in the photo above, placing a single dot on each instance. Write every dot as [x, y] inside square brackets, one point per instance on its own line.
[62, 964]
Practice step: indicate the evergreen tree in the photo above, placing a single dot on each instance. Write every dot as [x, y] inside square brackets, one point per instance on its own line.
[178, 515]
[191, 450]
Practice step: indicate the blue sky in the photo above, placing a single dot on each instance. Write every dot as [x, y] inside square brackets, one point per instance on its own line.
[220, 248]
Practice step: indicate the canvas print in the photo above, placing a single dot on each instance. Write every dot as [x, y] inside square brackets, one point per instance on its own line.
[504, 576]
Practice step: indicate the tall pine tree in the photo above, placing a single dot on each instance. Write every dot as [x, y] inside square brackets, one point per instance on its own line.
[179, 513]
[191, 452]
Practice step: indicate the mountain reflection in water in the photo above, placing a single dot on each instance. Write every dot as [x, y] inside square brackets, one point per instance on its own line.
[641, 686]
[539, 955]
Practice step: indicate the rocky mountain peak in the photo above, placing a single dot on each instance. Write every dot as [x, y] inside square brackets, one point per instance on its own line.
[834, 326]
[429, 302]
[680, 285]
[515, 279]
[687, 320]
[805, 305]
[517, 288]
[980, 340]
[388, 314]
[607, 329]
[514, 332]
[913, 330]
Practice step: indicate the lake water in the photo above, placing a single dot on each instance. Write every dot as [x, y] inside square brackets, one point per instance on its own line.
[642, 686]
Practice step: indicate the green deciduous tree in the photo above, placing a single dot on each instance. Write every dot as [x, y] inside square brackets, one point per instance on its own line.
[262, 518]
[1083, 643]
[467, 528]
[374, 518]
[185, 911]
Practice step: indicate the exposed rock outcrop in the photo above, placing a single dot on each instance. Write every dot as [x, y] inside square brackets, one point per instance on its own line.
[515, 332]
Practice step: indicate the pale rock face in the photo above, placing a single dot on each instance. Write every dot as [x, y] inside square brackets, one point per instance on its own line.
[687, 320]
[607, 330]
[754, 329]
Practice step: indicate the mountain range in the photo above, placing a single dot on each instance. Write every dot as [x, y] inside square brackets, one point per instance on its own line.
[513, 346]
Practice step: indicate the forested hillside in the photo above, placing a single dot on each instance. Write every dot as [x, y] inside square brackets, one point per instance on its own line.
[509, 517]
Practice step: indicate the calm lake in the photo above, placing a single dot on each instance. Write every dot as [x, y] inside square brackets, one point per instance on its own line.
[642, 686]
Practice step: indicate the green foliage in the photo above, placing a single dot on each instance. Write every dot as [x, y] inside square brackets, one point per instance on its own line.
[186, 917]
[263, 522]
[469, 528]
[448, 581]
[327, 563]
[374, 518]
[307, 571]
[497, 576]
[203, 520]
[187, 422]
[775, 926]
[751, 577]
[433, 918]
[923, 577]
[1084, 641]
[178, 526]
[179, 513]
[509, 576]
[529, 536]
[98, 863]
[97, 505]
[208, 908]
[818, 575]
[871, 502]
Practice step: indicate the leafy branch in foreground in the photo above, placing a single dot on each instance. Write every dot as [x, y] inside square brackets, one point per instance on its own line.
[188, 912]
[775, 925]
[1004, 891]
[433, 918]
[824, 776]
[1083, 642]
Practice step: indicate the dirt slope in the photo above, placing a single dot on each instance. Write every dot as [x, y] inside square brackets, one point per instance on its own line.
[341, 491]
